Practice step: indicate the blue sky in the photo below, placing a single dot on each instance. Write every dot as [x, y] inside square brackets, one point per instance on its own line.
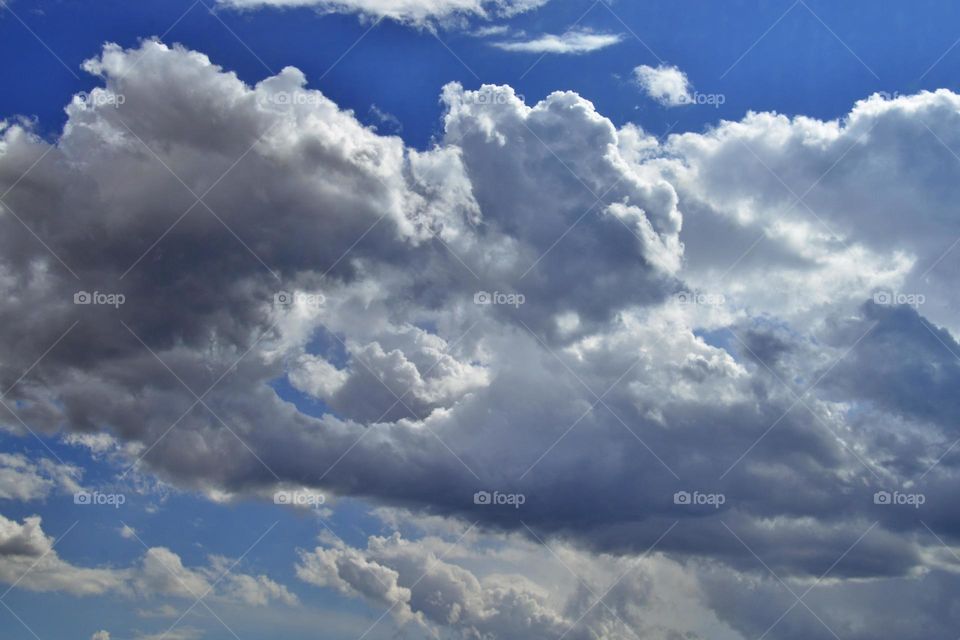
[798, 67]
[769, 302]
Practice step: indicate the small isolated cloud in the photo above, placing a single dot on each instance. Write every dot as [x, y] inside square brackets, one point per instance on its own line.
[577, 41]
[101, 635]
[492, 30]
[387, 123]
[666, 84]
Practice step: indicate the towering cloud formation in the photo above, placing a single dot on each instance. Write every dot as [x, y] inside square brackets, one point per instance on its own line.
[521, 309]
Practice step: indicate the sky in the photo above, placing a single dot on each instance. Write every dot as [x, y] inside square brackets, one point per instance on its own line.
[479, 319]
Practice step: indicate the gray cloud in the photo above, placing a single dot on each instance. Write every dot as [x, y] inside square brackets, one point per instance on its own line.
[598, 398]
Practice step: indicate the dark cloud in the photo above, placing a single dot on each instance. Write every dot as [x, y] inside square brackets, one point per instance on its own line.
[594, 396]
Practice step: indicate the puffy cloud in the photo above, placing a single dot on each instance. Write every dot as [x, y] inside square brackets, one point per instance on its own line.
[666, 84]
[28, 560]
[24, 479]
[416, 585]
[100, 635]
[463, 583]
[573, 41]
[821, 202]
[417, 12]
[257, 591]
[598, 397]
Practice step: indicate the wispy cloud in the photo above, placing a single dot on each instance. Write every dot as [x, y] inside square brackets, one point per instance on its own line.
[579, 41]
[416, 12]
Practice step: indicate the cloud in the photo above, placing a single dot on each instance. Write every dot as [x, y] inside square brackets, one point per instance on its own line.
[570, 42]
[29, 560]
[666, 84]
[24, 479]
[183, 633]
[422, 589]
[100, 635]
[416, 12]
[467, 584]
[599, 397]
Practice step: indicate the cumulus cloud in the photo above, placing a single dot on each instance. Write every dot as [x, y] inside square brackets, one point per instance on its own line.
[666, 84]
[417, 12]
[382, 283]
[22, 478]
[573, 41]
[29, 560]
[466, 584]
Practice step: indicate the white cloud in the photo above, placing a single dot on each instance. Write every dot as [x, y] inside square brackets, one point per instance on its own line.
[28, 559]
[666, 84]
[429, 396]
[471, 584]
[24, 479]
[181, 633]
[100, 635]
[574, 41]
[418, 12]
